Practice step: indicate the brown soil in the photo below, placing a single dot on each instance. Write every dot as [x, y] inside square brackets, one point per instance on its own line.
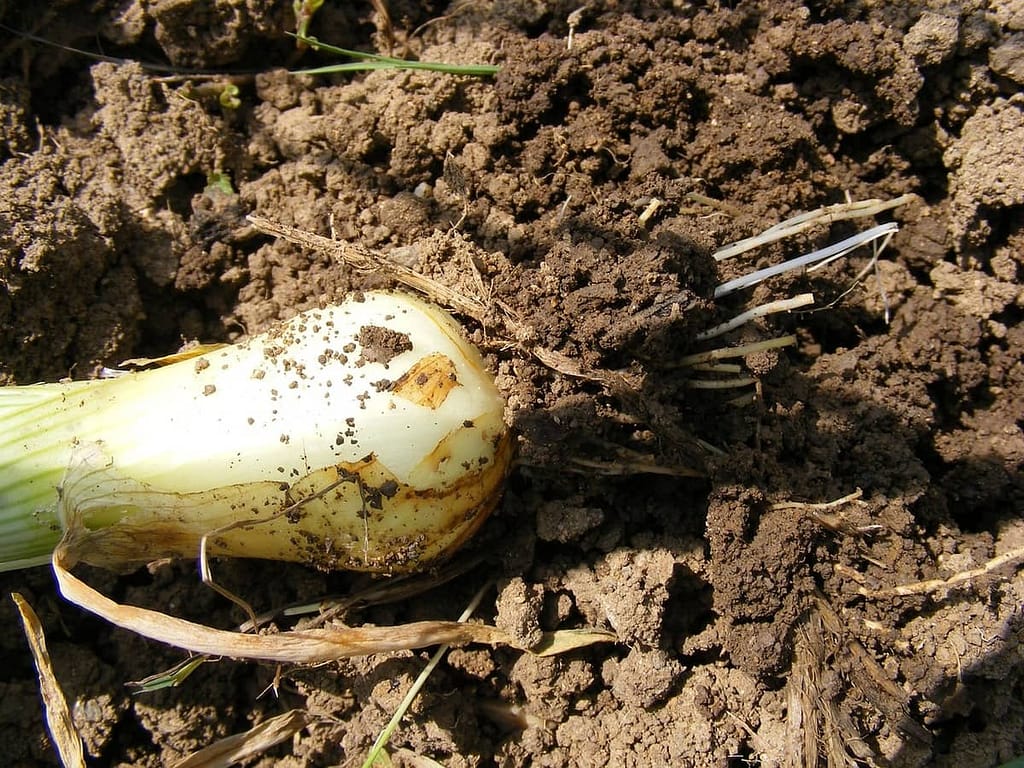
[744, 634]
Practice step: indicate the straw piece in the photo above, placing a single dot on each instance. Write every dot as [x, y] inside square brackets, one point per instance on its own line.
[834, 251]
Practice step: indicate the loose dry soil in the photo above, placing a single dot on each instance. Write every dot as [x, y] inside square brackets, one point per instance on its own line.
[746, 637]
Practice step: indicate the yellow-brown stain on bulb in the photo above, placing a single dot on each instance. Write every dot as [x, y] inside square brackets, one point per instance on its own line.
[428, 382]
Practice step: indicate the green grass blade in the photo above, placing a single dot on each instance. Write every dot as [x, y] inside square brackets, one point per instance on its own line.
[377, 750]
[371, 61]
[171, 678]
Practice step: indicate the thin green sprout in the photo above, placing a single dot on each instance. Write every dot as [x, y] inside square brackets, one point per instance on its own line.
[170, 678]
[304, 12]
[228, 98]
[372, 61]
[215, 183]
[803, 221]
[772, 307]
[392, 725]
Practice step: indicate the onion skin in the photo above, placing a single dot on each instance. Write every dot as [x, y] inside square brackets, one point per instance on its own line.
[364, 436]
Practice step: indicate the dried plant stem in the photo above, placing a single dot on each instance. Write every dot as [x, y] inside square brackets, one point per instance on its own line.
[1014, 557]
[797, 224]
[66, 738]
[870, 677]
[772, 307]
[734, 383]
[252, 743]
[724, 353]
[312, 646]
[882, 233]
[627, 467]
[822, 506]
[366, 260]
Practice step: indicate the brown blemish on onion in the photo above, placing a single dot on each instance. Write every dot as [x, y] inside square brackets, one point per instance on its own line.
[428, 382]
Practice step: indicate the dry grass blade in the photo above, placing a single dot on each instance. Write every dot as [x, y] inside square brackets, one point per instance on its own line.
[565, 640]
[870, 677]
[311, 646]
[58, 716]
[803, 719]
[821, 216]
[241, 746]
[625, 467]
[566, 366]
[364, 259]
[816, 725]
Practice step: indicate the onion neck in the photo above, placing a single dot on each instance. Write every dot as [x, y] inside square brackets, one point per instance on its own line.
[34, 454]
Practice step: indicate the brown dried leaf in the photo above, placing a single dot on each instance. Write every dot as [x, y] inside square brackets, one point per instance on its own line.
[252, 743]
[311, 646]
[58, 717]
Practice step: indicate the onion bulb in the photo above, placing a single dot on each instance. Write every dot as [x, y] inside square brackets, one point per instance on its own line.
[364, 436]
